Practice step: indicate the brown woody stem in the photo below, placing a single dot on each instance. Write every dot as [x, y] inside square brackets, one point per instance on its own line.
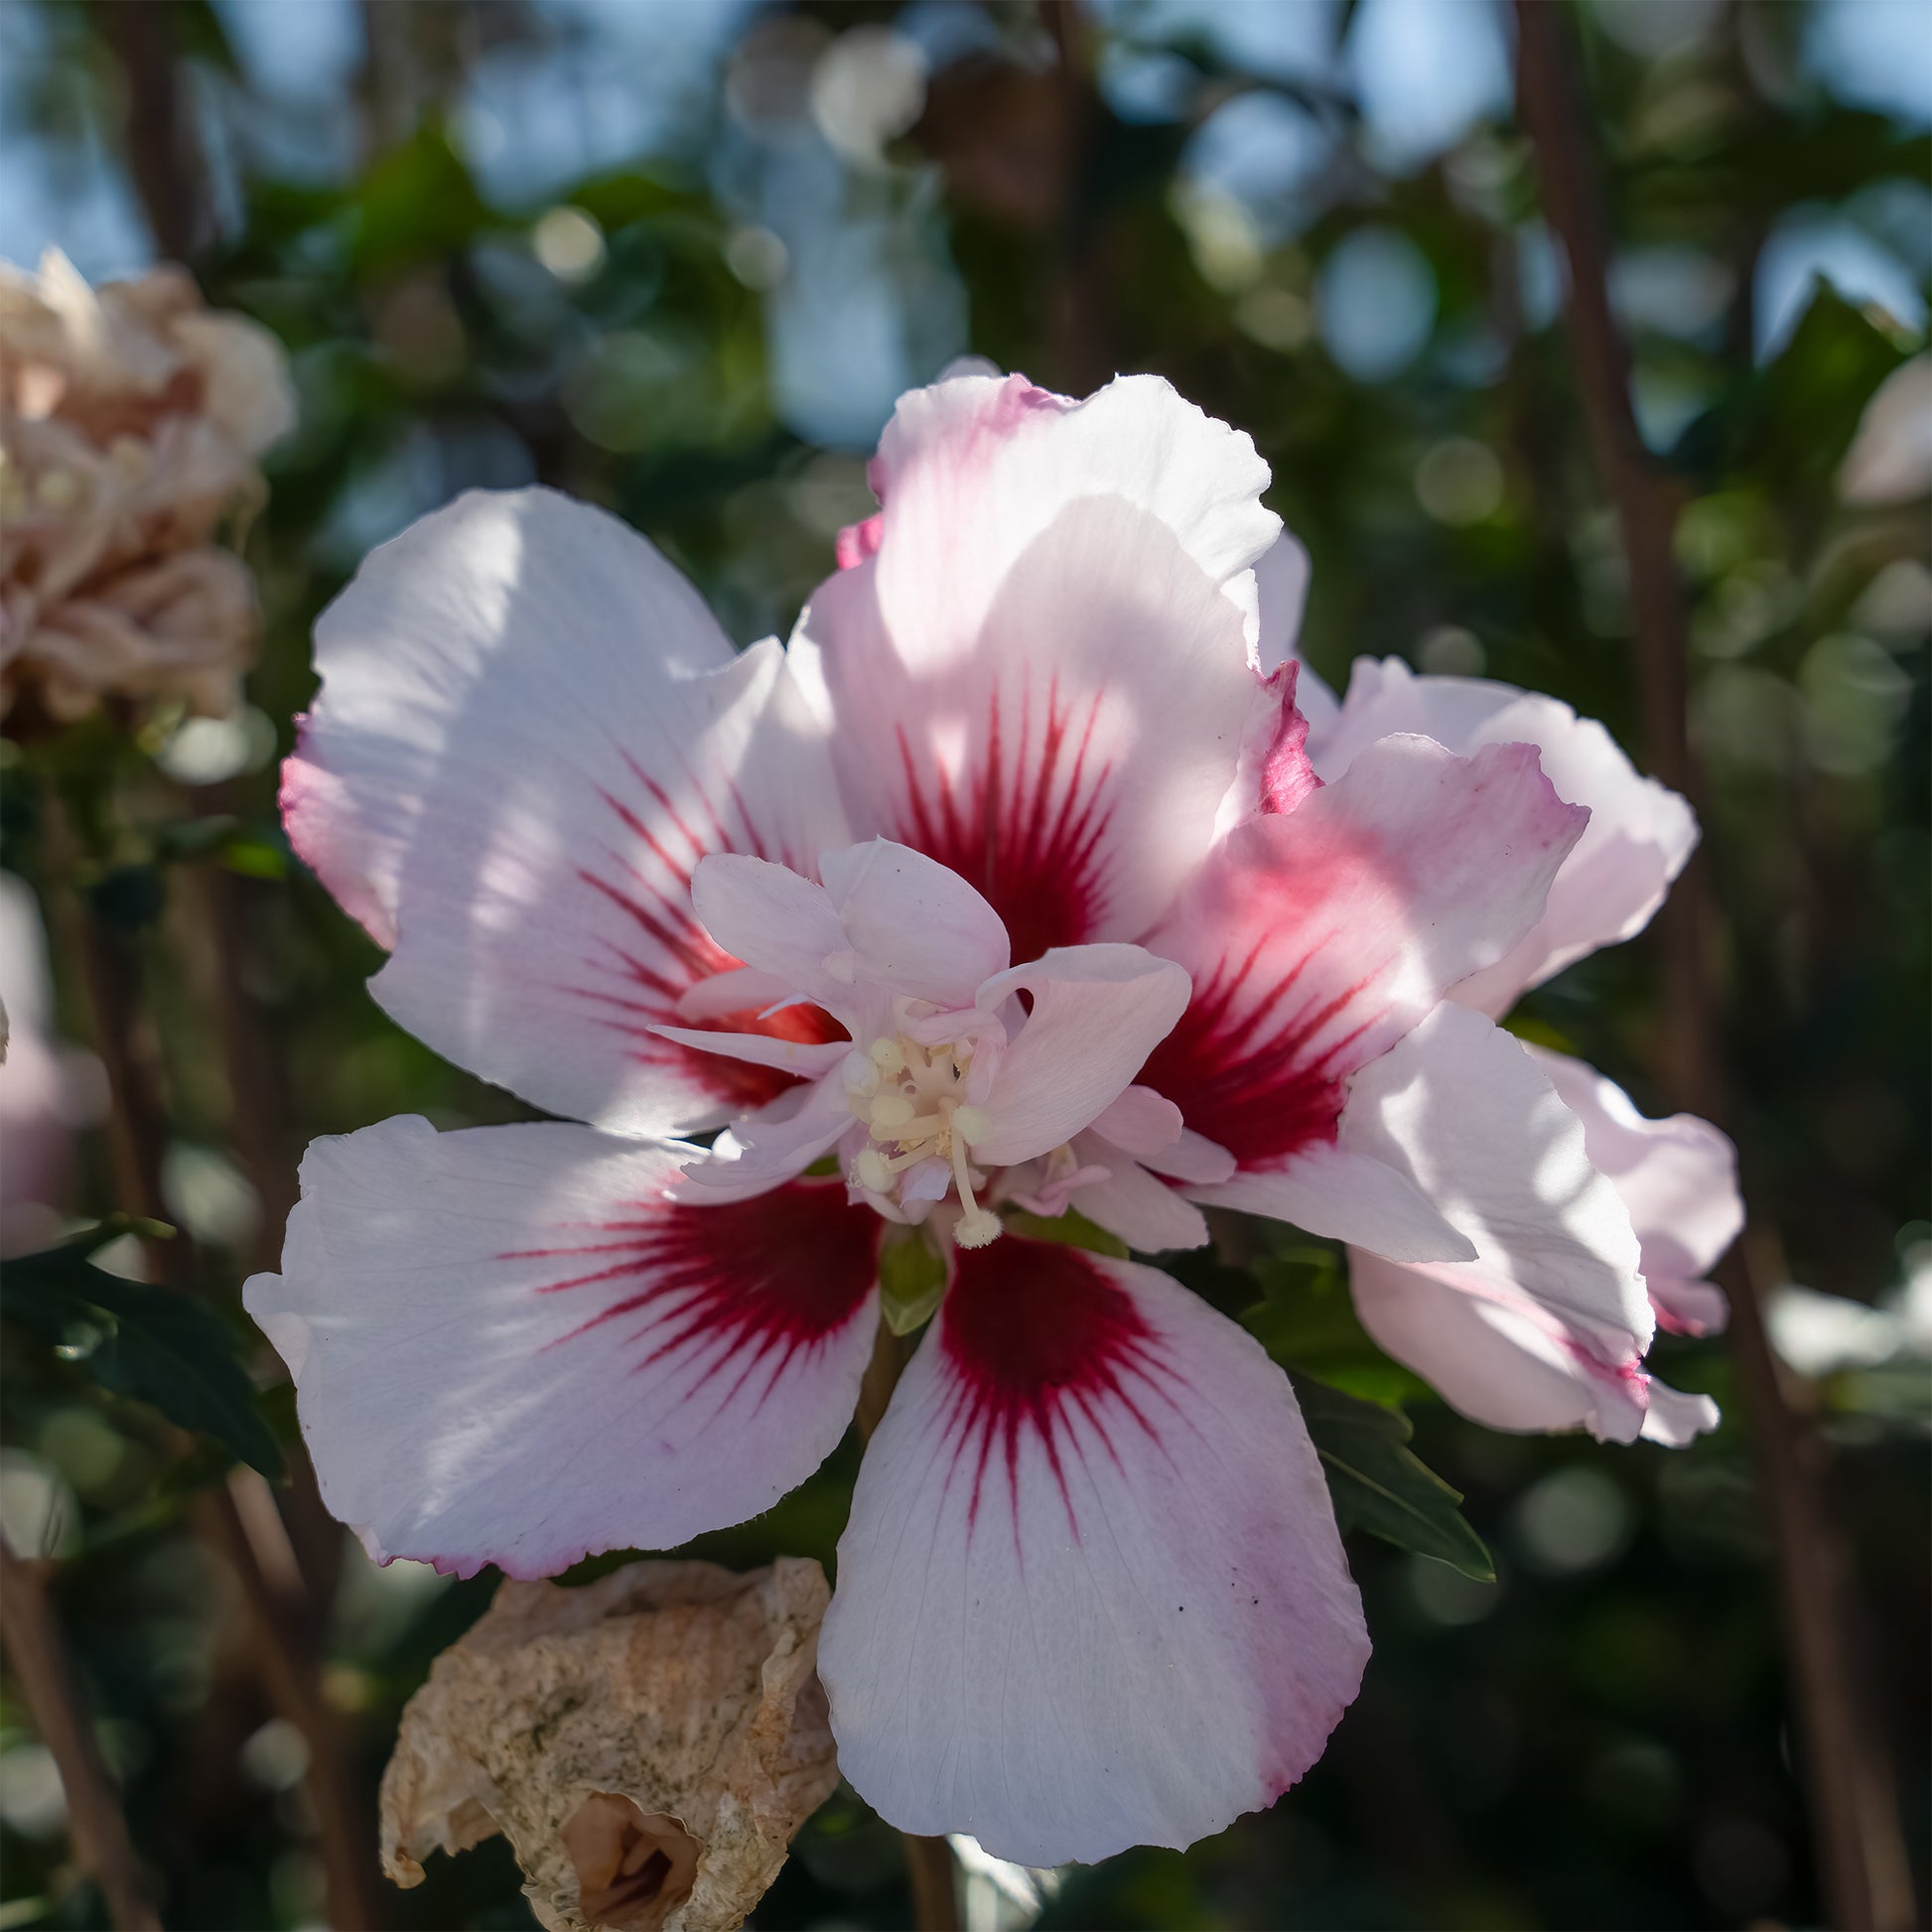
[281, 1616]
[934, 1870]
[94, 1820]
[1864, 1875]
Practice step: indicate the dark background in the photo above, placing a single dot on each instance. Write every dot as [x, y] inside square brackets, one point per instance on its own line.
[678, 260]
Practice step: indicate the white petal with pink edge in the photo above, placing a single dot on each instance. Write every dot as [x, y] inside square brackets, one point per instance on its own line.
[1677, 1177]
[1462, 1109]
[1640, 833]
[529, 732]
[1068, 757]
[1493, 1352]
[1097, 1012]
[1547, 1327]
[1275, 774]
[508, 1348]
[1501, 1357]
[971, 469]
[782, 924]
[772, 1146]
[1677, 1419]
[914, 928]
[1137, 1206]
[1336, 1190]
[1317, 938]
[887, 922]
[1091, 1592]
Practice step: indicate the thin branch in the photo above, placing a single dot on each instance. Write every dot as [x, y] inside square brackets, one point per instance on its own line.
[218, 941]
[164, 152]
[284, 1619]
[1865, 1878]
[241, 1524]
[220, 936]
[935, 1894]
[94, 1819]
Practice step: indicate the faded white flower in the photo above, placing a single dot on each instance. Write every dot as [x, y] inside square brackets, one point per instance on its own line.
[131, 418]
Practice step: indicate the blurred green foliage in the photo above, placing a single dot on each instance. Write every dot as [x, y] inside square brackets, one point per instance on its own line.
[1601, 1736]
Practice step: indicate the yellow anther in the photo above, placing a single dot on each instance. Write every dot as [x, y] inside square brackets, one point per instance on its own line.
[909, 1096]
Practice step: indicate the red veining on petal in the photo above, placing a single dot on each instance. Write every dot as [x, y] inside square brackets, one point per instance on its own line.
[727, 1292]
[1035, 1334]
[1023, 825]
[678, 954]
[1240, 1066]
[961, 443]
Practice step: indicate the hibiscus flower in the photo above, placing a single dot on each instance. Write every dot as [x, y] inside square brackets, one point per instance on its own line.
[1510, 1340]
[1006, 886]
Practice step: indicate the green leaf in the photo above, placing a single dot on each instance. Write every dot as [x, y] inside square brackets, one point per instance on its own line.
[1380, 1486]
[1307, 1321]
[1793, 420]
[157, 1345]
[912, 1278]
[1071, 1230]
[417, 204]
[256, 857]
[195, 838]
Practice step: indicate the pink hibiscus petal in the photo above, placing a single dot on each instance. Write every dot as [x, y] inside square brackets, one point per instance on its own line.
[771, 1147]
[1677, 1419]
[973, 467]
[913, 926]
[1678, 1179]
[1142, 1121]
[782, 924]
[1318, 938]
[1276, 771]
[1547, 1326]
[1091, 1593]
[858, 541]
[530, 731]
[1344, 1193]
[1639, 837]
[508, 1348]
[1047, 691]
[1096, 1014]
[1493, 1353]
[1128, 1200]
[808, 1059]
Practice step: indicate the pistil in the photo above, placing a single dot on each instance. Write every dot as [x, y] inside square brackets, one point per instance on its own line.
[909, 1098]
